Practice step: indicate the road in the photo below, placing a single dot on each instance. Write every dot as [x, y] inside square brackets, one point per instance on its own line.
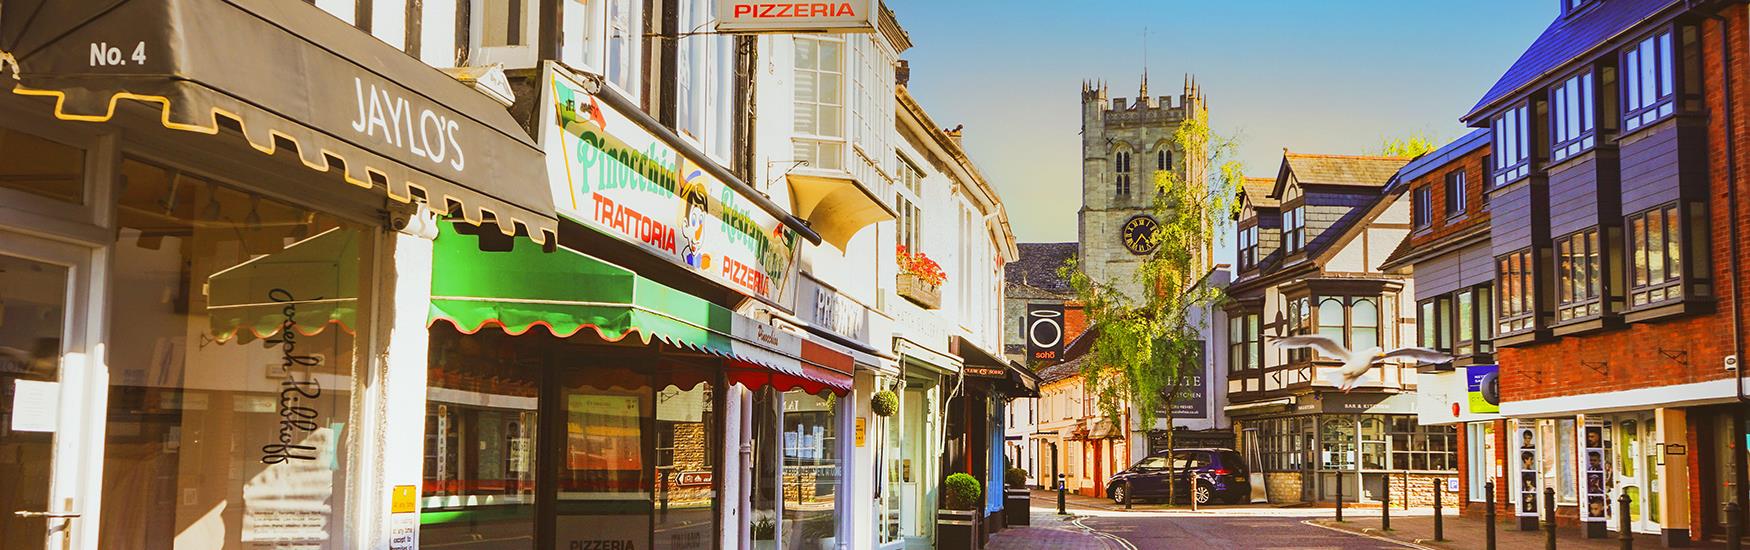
[1097, 525]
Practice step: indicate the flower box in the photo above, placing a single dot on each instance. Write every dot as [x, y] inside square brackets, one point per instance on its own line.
[913, 287]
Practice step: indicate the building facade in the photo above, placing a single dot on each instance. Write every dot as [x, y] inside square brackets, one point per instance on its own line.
[1613, 197]
[1333, 220]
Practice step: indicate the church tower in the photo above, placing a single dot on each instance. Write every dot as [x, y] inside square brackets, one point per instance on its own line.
[1124, 145]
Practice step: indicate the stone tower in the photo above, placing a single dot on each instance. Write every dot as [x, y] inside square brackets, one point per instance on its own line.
[1124, 144]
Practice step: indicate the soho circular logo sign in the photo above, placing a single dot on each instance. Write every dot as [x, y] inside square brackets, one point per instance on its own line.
[1046, 329]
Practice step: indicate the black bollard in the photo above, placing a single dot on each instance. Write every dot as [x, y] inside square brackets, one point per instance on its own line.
[1549, 514]
[1734, 527]
[1439, 528]
[1385, 505]
[1129, 495]
[1623, 532]
[1489, 515]
[1339, 496]
[1060, 489]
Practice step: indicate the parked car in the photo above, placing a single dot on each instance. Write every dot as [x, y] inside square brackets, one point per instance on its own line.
[1220, 475]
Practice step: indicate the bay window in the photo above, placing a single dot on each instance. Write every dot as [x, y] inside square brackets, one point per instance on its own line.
[1459, 323]
[1516, 306]
[820, 102]
[1579, 276]
[1434, 323]
[1512, 145]
[1649, 85]
[1660, 262]
[1571, 117]
[1351, 321]
[1294, 228]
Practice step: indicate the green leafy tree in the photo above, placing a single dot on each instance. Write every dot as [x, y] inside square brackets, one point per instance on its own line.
[1411, 146]
[1147, 348]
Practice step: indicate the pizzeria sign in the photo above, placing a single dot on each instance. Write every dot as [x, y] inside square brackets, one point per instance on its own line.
[610, 174]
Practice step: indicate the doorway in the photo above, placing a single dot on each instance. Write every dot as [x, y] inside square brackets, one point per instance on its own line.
[1636, 460]
[43, 326]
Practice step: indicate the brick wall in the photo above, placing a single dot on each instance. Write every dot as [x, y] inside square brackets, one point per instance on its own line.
[1475, 201]
[1284, 487]
[1420, 489]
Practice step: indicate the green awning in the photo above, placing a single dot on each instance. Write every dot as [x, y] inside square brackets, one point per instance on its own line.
[565, 292]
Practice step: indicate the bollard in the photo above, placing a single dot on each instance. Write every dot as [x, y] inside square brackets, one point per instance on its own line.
[1129, 495]
[1385, 505]
[1339, 496]
[1060, 489]
[1489, 515]
[1549, 514]
[1623, 532]
[1734, 527]
[1193, 496]
[1439, 529]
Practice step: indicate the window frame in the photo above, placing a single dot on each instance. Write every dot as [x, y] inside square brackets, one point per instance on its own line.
[908, 225]
[807, 144]
[1637, 110]
[1294, 228]
[631, 83]
[1456, 186]
[1685, 277]
[1511, 144]
[1515, 293]
[1579, 275]
[1121, 173]
[1422, 207]
[1246, 237]
[1573, 130]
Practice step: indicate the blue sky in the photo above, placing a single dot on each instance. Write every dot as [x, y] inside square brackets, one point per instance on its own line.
[1317, 76]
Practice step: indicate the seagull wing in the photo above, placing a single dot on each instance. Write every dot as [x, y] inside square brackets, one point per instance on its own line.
[1325, 346]
[1424, 355]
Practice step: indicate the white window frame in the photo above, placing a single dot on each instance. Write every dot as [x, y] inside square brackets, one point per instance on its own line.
[626, 77]
[513, 56]
[704, 81]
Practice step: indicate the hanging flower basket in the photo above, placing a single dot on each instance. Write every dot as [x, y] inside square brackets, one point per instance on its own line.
[884, 403]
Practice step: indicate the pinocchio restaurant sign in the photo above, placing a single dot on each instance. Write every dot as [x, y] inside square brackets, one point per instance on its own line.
[610, 174]
[743, 16]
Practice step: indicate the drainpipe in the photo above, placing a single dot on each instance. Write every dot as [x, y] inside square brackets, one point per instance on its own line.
[1732, 202]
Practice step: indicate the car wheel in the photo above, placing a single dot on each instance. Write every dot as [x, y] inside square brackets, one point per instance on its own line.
[1120, 491]
[1203, 493]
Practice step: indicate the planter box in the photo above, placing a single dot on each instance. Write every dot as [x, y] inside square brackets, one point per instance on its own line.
[1017, 507]
[958, 530]
[913, 288]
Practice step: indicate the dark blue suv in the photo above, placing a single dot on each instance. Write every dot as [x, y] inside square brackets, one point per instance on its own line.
[1220, 475]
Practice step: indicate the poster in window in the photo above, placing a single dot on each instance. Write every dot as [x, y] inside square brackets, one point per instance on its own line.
[603, 433]
[1528, 481]
[1595, 444]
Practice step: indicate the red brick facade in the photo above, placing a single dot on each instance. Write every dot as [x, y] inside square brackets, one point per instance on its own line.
[1476, 200]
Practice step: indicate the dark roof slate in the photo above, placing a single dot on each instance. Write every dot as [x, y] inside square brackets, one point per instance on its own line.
[1566, 38]
[1037, 266]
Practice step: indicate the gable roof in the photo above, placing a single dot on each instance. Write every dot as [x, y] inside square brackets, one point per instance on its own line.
[1567, 38]
[1438, 159]
[1345, 170]
[1257, 190]
[1037, 266]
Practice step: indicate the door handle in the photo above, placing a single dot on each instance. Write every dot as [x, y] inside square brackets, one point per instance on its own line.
[50, 515]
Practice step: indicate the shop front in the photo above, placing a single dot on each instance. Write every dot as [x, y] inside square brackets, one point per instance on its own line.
[200, 254]
[1370, 443]
[975, 422]
[916, 444]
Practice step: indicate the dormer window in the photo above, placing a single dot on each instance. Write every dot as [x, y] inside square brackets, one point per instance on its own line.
[1512, 146]
[1570, 7]
[1571, 117]
[1649, 84]
[1294, 228]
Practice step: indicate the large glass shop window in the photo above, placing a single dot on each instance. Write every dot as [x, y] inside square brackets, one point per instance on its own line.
[480, 434]
[237, 335]
[811, 469]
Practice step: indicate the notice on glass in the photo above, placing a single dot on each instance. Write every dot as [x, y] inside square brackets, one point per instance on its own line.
[34, 405]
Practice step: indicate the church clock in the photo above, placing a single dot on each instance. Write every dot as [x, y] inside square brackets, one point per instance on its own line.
[1139, 234]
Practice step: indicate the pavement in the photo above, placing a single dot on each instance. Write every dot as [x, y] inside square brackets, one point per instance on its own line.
[1468, 532]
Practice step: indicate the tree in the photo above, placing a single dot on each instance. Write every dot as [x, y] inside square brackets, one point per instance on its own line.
[1411, 146]
[1147, 348]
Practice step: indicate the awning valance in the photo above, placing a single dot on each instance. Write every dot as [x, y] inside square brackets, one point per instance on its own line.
[837, 208]
[284, 74]
[567, 292]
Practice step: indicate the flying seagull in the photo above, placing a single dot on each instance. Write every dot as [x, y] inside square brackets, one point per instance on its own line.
[1356, 363]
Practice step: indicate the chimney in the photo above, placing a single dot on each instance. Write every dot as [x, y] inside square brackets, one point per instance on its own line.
[902, 73]
[955, 134]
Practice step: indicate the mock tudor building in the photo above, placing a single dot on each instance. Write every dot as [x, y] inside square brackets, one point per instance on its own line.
[1332, 219]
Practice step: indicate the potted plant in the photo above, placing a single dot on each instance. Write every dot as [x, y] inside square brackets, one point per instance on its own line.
[884, 403]
[957, 523]
[1017, 499]
[920, 279]
[765, 533]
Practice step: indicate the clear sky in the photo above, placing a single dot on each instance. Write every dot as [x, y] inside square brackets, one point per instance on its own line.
[1316, 76]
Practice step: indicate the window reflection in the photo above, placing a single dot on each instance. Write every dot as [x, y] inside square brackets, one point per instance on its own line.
[41, 167]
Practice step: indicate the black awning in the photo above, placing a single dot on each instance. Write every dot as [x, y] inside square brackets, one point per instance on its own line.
[978, 363]
[1023, 382]
[284, 73]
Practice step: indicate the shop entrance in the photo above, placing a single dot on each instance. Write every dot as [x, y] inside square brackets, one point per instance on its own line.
[41, 332]
[1636, 460]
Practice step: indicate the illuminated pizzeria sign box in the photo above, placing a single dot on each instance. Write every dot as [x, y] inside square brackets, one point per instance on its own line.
[736, 16]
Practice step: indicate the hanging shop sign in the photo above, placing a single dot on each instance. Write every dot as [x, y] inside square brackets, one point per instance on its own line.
[754, 16]
[613, 176]
[1045, 332]
[1483, 387]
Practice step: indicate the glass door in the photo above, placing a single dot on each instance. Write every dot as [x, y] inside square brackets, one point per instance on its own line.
[1636, 457]
[41, 331]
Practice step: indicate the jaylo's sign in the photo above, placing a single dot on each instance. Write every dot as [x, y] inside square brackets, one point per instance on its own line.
[612, 175]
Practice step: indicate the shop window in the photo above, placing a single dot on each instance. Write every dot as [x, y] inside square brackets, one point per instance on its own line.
[1418, 447]
[231, 372]
[1556, 462]
[1579, 276]
[1337, 433]
[1480, 459]
[481, 423]
[1515, 287]
[1373, 453]
[41, 167]
[819, 102]
[811, 469]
